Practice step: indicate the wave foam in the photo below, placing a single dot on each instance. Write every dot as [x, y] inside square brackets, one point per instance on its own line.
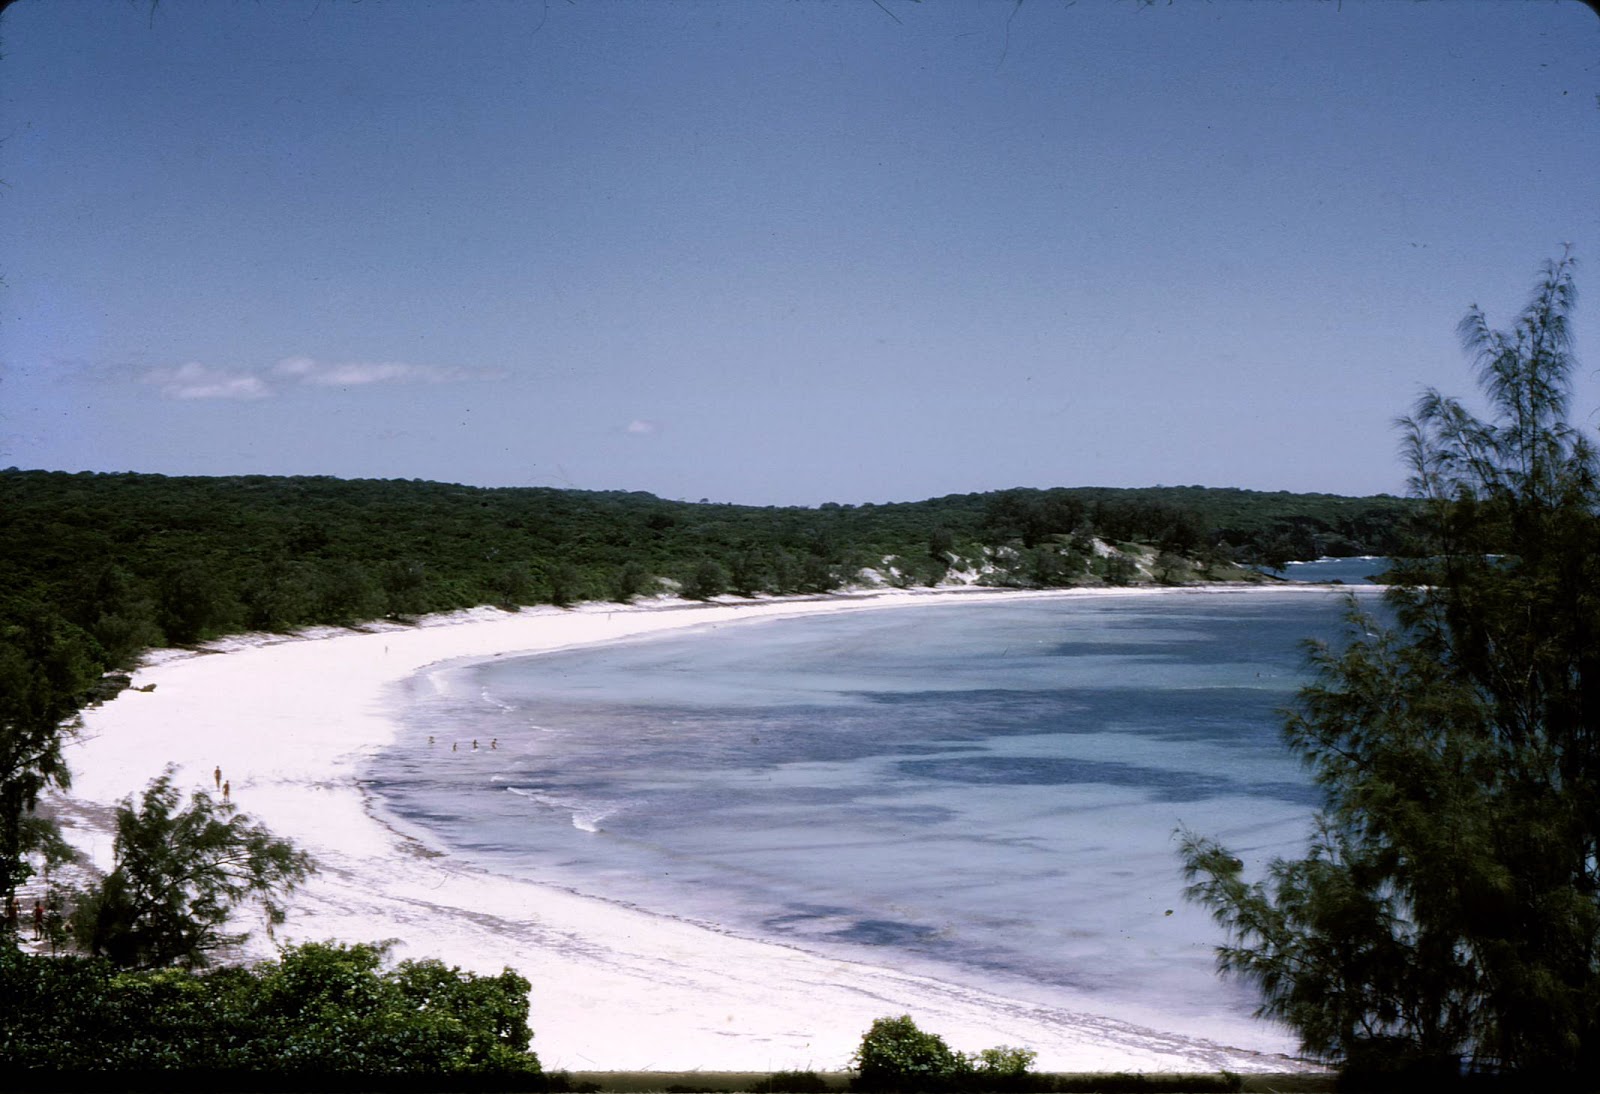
[586, 816]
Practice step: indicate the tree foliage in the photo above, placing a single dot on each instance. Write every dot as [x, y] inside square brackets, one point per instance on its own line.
[1449, 905]
[47, 667]
[321, 1010]
[180, 874]
[896, 1055]
[140, 560]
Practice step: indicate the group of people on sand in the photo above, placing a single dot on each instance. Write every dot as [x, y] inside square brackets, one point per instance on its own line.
[223, 785]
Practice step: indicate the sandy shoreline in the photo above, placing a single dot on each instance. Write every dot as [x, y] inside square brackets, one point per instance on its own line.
[290, 721]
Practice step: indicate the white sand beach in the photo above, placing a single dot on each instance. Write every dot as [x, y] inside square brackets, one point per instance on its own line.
[290, 719]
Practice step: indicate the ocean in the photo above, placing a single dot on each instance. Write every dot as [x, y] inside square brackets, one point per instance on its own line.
[984, 792]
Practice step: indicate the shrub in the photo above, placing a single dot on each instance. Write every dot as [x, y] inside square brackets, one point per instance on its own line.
[1006, 1060]
[322, 1010]
[708, 580]
[896, 1055]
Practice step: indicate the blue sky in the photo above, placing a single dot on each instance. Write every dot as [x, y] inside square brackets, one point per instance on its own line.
[775, 252]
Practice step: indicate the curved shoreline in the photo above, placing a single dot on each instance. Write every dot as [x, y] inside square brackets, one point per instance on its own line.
[289, 721]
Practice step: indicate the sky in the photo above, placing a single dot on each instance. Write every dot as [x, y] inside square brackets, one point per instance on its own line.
[776, 251]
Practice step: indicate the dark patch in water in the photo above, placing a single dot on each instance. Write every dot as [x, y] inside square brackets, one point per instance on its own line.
[802, 914]
[884, 932]
[1162, 784]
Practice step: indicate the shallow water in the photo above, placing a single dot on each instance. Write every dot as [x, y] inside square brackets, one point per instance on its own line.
[984, 791]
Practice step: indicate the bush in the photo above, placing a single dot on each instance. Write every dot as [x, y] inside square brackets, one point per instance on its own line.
[708, 580]
[896, 1055]
[321, 1010]
[1006, 1061]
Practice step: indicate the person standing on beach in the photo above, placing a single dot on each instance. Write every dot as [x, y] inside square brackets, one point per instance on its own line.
[38, 920]
[216, 773]
[227, 788]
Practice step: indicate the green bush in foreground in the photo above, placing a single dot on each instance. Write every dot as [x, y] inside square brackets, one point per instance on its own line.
[896, 1055]
[321, 1009]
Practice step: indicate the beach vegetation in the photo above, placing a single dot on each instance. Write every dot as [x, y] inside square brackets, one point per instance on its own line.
[565, 584]
[818, 576]
[181, 872]
[1172, 568]
[631, 580]
[1048, 567]
[48, 670]
[276, 591]
[192, 601]
[117, 609]
[320, 1011]
[1116, 569]
[135, 561]
[515, 588]
[747, 572]
[404, 582]
[1005, 1061]
[896, 1055]
[348, 594]
[1446, 916]
[706, 580]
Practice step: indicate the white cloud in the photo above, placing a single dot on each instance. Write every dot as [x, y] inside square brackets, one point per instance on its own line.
[295, 366]
[360, 373]
[197, 381]
[640, 425]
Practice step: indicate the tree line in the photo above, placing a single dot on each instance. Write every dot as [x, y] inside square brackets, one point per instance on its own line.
[135, 561]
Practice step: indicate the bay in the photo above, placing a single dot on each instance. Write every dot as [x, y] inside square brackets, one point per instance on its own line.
[986, 792]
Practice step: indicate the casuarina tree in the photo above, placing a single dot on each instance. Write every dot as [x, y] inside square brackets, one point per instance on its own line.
[1447, 912]
[181, 872]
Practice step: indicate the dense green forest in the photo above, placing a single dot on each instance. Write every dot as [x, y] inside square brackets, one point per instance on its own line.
[140, 560]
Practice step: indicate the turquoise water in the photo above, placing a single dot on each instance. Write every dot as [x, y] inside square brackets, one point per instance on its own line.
[986, 791]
